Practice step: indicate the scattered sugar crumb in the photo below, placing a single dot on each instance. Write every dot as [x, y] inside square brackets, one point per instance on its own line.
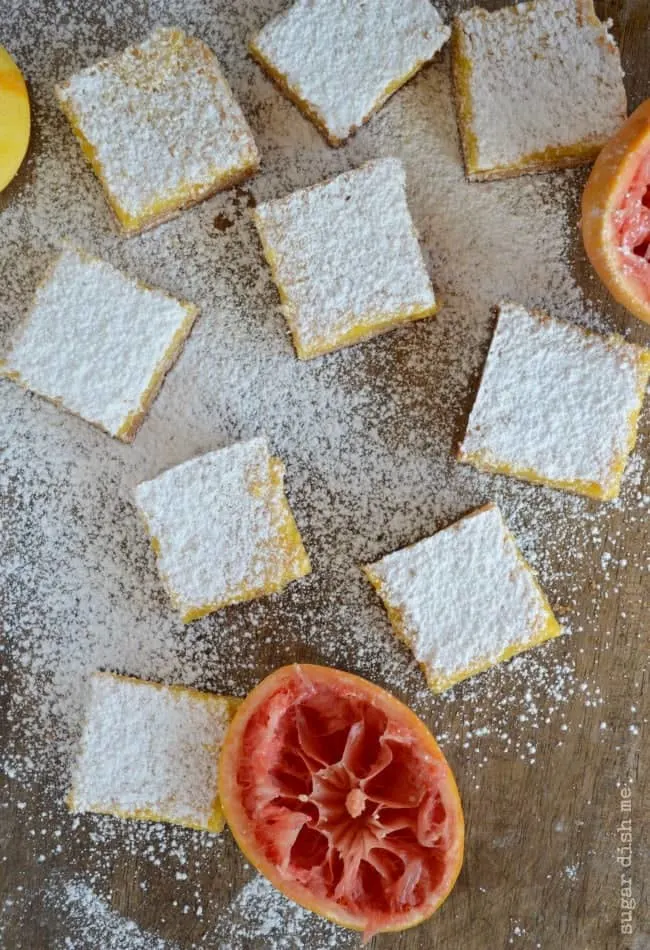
[93, 923]
[261, 916]
[571, 871]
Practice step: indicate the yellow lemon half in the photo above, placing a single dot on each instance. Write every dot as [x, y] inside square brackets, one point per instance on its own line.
[14, 118]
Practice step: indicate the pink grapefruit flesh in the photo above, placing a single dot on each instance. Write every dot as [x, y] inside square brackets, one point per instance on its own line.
[339, 794]
[632, 227]
[616, 214]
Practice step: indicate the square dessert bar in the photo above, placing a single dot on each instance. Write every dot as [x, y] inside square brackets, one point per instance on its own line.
[339, 61]
[151, 752]
[222, 529]
[346, 259]
[539, 86]
[557, 404]
[463, 599]
[99, 343]
[160, 127]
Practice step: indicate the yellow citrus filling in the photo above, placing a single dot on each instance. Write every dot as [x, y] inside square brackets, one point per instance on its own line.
[565, 156]
[284, 556]
[216, 821]
[605, 491]
[364, 329]
[14, 118]
[281, 80]
[547, 630]
[310, 111]
[133, 421]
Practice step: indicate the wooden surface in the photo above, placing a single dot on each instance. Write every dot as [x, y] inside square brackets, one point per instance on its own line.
[540, 868]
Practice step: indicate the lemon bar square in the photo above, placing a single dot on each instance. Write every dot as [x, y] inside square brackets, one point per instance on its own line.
[99, 343]
[557, 404]
[151, 752]
[160, 127]
[346, 259]
[538, 86]
[339, 61]
[463, 599]
[222, 529]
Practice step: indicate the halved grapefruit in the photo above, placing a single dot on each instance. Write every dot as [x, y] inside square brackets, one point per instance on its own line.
[339, 794]
[14, 118]
[616, 214]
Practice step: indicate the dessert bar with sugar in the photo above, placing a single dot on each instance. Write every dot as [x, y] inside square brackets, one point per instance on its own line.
[538, 85]
[339, 61]
[222, 529]
[160, 127]
[99, 343]
[151, 752]
[463, 599]
[556, 404]
[345, 258]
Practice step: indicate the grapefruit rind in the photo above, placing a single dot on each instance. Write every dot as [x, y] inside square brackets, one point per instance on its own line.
[476, 538]
[604, 197]
[15, 119]
[265, 712]
[149, 752]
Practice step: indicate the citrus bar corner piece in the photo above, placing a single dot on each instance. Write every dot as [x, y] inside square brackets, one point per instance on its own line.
[160, 127]
[346, 259]
[538, 86]
[150, 752]
[98, 343]
[340, 795]
[463, 599]
[222, 529]
[340, 61]
[557, 404]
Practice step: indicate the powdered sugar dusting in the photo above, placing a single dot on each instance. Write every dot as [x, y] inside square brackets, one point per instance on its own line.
[162, 123]
[216, 521]
[346, 258]
[343, 59]
[556, 402]
[150, 749]
[262, 916]
[92, 923]
[367, 435]
[95, 339]
[464, 595]
[542, 75]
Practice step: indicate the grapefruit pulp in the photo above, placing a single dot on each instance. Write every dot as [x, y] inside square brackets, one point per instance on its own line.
[14, 118]
[339, 794]
[616, 214]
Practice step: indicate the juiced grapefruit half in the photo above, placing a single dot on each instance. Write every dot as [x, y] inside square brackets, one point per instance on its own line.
[616, 214]
[339, 794]
[14, 118]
